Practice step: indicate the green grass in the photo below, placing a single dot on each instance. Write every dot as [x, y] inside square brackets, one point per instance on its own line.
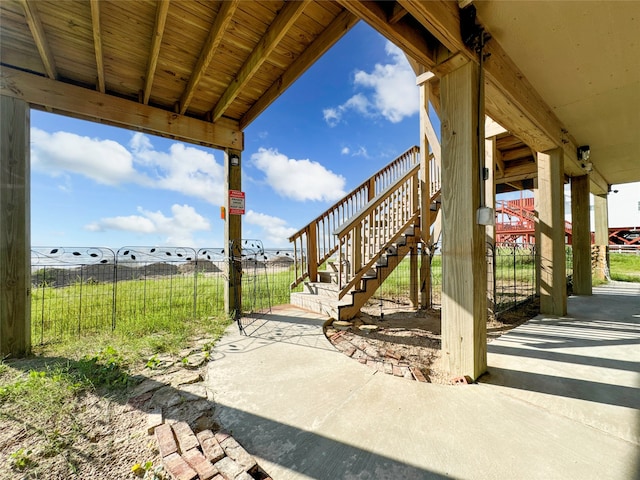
[624, 267]
[138, 308]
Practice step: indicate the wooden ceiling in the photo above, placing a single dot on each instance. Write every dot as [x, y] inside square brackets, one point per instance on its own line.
[201, 71]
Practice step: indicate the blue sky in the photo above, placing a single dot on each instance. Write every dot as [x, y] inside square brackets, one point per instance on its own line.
[352, 113]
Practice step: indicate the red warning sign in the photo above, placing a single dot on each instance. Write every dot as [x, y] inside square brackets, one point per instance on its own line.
[236, 202]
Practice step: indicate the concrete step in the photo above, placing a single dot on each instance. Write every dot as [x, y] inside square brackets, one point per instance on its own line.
[316, 303]
[322, 289]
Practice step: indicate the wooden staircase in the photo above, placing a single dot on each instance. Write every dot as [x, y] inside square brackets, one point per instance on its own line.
[362, 250]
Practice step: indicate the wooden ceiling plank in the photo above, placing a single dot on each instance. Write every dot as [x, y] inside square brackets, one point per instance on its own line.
[97, 43]
[39, 37]
[341, 25]
[89, 104]
[407, 37]
[276, 31]
[158, 32]
[220, 24]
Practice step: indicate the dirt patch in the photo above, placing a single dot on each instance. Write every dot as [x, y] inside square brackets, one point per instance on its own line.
[412, 340]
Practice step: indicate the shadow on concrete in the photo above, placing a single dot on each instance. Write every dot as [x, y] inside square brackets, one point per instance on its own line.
[312, 455]
[605, 393]
[567, 358]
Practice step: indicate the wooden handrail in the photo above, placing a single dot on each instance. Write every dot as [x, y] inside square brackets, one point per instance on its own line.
[364, 185]
[356, 219]
[315, 242]
[365, 237]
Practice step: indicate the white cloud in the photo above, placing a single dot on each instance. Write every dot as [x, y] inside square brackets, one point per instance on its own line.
[175, 230]
[184, 169]
[104, 161]
[345, 151]
[276, 232]
[394, 92]
[298, 179]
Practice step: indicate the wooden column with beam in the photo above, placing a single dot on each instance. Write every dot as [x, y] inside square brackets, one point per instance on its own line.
[464, 267]
[425, 194]
[581, 235]
[490, 155]
[15, 233]
[233, 236]
[553, 282]
[601, 217]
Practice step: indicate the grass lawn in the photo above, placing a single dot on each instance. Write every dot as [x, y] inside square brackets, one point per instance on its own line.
[625, 267]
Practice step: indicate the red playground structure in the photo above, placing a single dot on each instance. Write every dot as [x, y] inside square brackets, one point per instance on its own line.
[515, 223]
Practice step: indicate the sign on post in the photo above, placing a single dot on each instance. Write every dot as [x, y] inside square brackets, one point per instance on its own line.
[236, 202]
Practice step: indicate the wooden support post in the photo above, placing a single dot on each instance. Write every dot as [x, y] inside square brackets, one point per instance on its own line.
[425, 197]
[601, 216]
[536, 206]
[233, 236]
[15, 230]
[413, 277]
[553, 281]
[581, 235]
[490, 155]
[464, 267]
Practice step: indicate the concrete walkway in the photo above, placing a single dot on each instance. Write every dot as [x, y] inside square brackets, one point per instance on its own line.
[561, 401]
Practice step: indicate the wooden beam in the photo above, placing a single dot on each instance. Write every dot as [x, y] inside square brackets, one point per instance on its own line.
[518, 153]
[464, 265]
[492, 128]
[216, 33]
[39, 37]
[601, 218]
[158, 31]
[490, 154]
[341, 25]
[233, 237]
[97, 43]
[402, 33]
[581, 235]
[91, 105]
[425, 197]
[510, 99]
[553, 288]
[15, 241]
[499, 163]
[517, 172]
[397, 13]
[276, 31]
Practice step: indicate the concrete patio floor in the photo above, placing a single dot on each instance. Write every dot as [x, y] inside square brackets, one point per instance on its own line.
[561, 401]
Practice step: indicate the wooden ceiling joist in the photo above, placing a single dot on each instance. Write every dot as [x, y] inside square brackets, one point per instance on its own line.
[341, 25]
[276, 31]
[158, 32]
[404, 34]
[212, 43]
[80, 102]
[97, 43]
[39, 37]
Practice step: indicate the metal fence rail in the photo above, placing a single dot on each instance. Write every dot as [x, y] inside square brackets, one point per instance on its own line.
[511, 280]
[90, 289]
[82, 290]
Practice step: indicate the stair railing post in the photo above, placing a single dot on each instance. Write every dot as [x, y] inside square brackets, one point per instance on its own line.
[357, 249]
[312, 252]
